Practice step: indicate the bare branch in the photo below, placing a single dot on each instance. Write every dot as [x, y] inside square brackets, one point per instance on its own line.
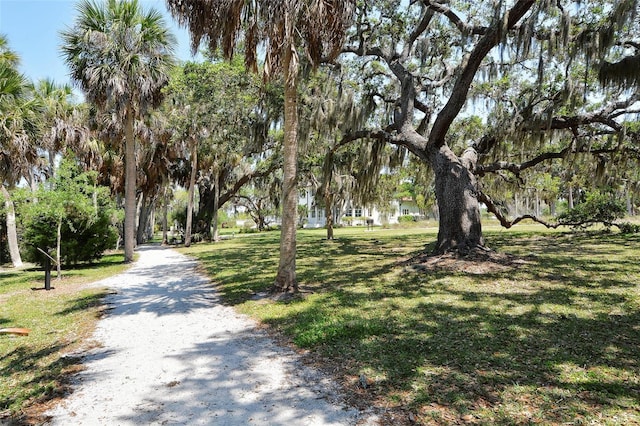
[491, 207]
[455, 19]
[422, 26]
[516, 168]
[461, 87]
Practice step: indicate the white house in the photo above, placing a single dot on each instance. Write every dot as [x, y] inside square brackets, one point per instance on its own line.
[348, 213]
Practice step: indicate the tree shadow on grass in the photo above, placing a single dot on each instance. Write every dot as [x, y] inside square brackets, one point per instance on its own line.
[16, 279]
[84, 303]
[37, 375]
[554, 341]
[469, 356]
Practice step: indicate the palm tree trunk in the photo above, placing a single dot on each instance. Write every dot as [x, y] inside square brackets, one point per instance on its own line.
[570, 197]
[286, 276]
[12, 233]
[130, 189]
[192, 186]
[327, 174]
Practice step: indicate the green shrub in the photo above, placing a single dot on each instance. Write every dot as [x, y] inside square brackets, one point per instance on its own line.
[406, 218]
[629, 228]
[84, 212]
[597, 208]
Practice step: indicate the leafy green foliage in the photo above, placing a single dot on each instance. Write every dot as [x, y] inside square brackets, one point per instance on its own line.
[598, 207]
[221, 119]
[629, 228]
[406, 218]
[84, 212]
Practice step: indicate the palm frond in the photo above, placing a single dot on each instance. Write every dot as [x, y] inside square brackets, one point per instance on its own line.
[118, 54]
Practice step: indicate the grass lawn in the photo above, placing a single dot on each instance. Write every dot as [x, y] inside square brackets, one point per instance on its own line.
[33, 368]
[552, 338]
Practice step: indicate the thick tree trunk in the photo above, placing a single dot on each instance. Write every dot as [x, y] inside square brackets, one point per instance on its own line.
[206, 194]
[146, 219]
[460, 229]
[205, 203]
[130, 189]
[328, 213]
[150, 226]
[261, 221]
[214, 218]
[286, 277]
[165, 215]
[192, 186]
[143, 219]
[12, 233]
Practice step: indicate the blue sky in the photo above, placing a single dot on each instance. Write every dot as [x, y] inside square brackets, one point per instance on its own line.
[32, 28]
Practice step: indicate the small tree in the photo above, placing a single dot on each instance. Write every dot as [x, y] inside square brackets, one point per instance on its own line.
[69, 217]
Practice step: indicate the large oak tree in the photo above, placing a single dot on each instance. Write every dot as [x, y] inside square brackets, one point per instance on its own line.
[530, 68]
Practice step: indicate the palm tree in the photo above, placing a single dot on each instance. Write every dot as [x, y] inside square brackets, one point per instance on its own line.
[17, 126]
[120, 56]
[284, 27]
[57, 111]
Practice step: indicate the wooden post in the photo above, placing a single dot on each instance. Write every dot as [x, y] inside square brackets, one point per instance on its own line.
[47, 274]
[47, 268]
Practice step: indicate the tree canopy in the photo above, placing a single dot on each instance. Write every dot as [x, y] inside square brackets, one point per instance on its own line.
[509, 107]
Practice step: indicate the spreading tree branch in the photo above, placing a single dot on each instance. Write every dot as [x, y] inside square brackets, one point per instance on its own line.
[455, 19]
[516, 168]
[603, 116]
[506, 223]
[493, 208]
[461, 87]
[274, 165]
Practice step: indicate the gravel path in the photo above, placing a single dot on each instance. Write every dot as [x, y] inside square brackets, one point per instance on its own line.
[170, 353]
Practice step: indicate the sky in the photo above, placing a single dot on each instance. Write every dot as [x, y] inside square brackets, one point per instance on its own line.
[32, 28]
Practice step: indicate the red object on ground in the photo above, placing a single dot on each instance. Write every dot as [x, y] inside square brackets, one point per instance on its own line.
[15, 330]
